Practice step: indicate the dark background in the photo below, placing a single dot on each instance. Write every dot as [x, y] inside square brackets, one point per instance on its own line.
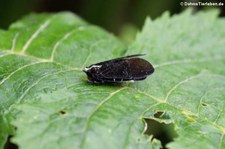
[112, 15]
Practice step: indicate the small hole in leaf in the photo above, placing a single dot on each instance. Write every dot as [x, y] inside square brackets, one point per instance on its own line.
[62, 112]
[10, 145]
[161, 115]
[158, 114]
[160, 131]
[203, 104]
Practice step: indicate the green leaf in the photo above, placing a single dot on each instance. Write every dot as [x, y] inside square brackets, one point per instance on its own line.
[189, 57]
[44, 93]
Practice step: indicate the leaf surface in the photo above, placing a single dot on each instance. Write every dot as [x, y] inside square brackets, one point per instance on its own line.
[44, 93]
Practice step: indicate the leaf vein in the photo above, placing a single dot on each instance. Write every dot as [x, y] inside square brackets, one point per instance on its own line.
[19, 69]
[149, 95]
[58, 43]
[189, 61]
[187, 112]
[5, 54]
[90, 51]
[221, 141]
[36, 83]
[42, 60]
[95, 110]
[178, 84]
[145, 127]
[200, 102]
[218, 115]
[14, 41]
[33, 36]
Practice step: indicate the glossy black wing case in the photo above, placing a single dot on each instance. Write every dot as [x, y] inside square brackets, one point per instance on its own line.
[129, 68]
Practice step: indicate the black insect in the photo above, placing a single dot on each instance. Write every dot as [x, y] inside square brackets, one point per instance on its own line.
[129, 68]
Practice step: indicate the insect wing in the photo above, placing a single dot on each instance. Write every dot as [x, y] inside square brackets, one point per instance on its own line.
[139, 69]
[117, 60]
[125, 69]
[114, 71]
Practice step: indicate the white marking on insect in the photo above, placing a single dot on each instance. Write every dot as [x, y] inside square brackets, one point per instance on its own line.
[96, 66]
[93, 66]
